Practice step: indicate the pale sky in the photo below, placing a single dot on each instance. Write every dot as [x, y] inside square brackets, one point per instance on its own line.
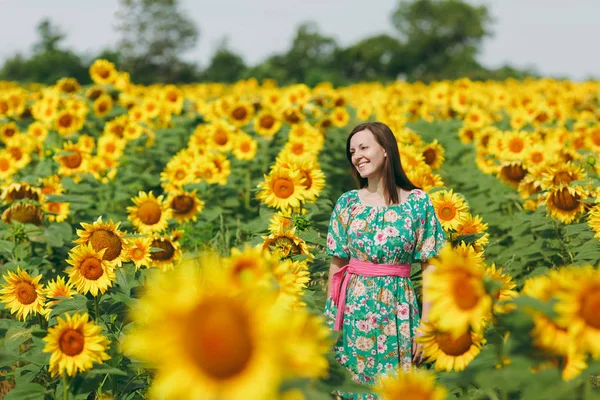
[557, 37]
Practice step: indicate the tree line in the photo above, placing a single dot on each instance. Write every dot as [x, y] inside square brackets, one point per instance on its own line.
[434, 40]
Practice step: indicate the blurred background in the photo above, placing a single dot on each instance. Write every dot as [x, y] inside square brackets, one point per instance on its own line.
[300, 41]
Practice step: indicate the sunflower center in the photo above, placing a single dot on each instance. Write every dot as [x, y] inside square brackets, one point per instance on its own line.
[25, 293]
[243, 265]
[267, 122]
[65, 121]
[71, 342]
[516, 145]
[239, 113]
[515, 172]
[464, 294]
[104, 73]
[590, 308]
[4, 164]
[137, 254]
[149, 212]
[73, 160]
[283, 188]
[91, 268]
[182, 204]
[298, 148]
[562, 177]
[16, 153]
[219, 341]
[166, 252]
[326, 123]
[430, 156]
[565, 200]
[537, 158]
[221, 138]
[454, 346]
[245, 147]
[447, 212]
[103, 239]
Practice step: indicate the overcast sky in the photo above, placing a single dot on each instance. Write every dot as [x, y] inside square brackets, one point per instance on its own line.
[557, 37]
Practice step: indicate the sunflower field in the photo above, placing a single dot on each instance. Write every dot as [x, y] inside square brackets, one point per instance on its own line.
[169, 241]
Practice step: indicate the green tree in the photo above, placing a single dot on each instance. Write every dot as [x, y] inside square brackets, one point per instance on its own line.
[154, 35]
[374, 58]
[225, 65]
[441, 37]
[48, 63]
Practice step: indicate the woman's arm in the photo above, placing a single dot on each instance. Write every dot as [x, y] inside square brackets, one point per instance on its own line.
[427, 270]
[336, 264]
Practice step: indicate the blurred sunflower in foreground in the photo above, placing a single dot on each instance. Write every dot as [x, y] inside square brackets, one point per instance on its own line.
[199, 325]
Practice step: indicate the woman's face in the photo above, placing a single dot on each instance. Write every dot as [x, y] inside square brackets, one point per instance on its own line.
[368, 156]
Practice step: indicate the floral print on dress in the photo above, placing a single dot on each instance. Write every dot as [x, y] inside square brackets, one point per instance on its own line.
[382, 314]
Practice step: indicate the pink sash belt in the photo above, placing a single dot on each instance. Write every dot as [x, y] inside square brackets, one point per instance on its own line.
[340, 280]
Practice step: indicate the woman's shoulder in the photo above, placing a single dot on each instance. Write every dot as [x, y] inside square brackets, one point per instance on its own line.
[347, 198]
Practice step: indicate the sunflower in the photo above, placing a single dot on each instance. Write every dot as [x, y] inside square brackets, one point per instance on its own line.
[19, 191]
[457, 292]
[58, 287]
[292, 278]
[267, 123]
[67, 122]
[512, 172]
[193, 324]
[433, 154]
[73, 160]
[221, 136]
[471, 225]
[561, 175]
[150, 214]
[103, 72]
[57, 211]
[564, 203]
[286, 244]
[104, 235]
[139, 250]
[76, 344]
[450, 208]
[299, 150]
[515, 145]
[173, 98]
[9, 130]
[185, 206]
[178, 172]
[424, 178]
[68, 85]
[222, 166]
[25, 213]
[448, 352]
[244, 147]
[340, 117]
[292, 114]
[240, 113]
[251, 265]
[103, 105]
[89, 271]
[110, 145]
[313, 178]
[594, 220]
[416, 384]
[578, 309]
[282, 188]
[23, 294]
[574, 363]
[281, 221]
[165, 252]
[505, 290]
[7, 165]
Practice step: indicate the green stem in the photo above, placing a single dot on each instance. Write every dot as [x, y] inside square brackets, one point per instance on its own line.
[65, 386]
[97, 308]
[248, 183]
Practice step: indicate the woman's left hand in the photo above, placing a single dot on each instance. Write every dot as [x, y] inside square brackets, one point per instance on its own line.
[417, 350]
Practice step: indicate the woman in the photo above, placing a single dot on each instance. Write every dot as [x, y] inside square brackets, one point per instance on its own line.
[375, 233]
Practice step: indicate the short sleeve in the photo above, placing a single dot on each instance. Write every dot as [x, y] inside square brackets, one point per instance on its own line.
[337, 239]
[430, 237]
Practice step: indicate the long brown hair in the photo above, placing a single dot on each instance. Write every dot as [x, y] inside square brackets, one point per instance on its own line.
[393, 174]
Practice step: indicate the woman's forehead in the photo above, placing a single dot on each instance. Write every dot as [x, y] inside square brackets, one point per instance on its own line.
[364, 136]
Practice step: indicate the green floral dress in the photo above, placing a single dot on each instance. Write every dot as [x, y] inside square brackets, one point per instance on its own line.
[382, 313]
